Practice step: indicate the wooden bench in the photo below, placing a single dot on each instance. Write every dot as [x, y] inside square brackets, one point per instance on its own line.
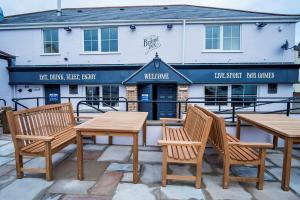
[41, 131]
[235, 152]
[185, 145]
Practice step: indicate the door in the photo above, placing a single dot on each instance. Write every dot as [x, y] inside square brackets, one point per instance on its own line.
[145, 93]
[52, 94]
[166, 93]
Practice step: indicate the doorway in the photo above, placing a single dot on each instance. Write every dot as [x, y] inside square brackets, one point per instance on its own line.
[157, 92]
[52, 94]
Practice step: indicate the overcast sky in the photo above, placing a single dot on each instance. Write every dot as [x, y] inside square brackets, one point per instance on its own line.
[12, 7]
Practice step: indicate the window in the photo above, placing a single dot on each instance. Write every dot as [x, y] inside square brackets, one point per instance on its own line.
[231, 37]
[216, 93]
[110, 92]
[50, 37]
[272, 88]
[90, 40]
[222, 37]
[92, 93]
[109, 39]
[212, 37]
[73, 89]
[242, 93]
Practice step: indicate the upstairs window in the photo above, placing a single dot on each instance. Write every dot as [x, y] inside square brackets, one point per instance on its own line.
[109, 39]
[110, 93]
[212, 37]
[90, 40]
[231, 37]
[223, 37]
[50, 41]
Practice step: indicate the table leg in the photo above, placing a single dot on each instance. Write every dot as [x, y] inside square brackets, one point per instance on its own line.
[238, 128]
[79, 156]
[287, 160]
[135, 158]
[145, 133]
[110, 140]
[275, 142]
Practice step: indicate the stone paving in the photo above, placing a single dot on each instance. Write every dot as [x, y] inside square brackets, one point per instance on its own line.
[108, 175]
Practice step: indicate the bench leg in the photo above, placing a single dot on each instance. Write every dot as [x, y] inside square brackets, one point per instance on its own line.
[164, 166]
[94, 139]
[19, 165]
[48, 159]
[198, 175]
[261, 169]
[226, 169]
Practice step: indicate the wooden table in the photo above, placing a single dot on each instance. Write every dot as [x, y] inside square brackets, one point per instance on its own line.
[113, 124]
[281, 126]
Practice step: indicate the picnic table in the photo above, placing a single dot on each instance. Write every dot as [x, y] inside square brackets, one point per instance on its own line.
[280, 126]
[113, 124]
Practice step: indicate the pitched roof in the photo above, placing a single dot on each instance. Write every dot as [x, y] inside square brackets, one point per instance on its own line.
[137, 13]
[6, 56]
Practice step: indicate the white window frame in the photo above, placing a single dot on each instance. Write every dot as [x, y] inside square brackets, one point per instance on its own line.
[109, 39]
[221, 50]
[43, 53]
[82, 39]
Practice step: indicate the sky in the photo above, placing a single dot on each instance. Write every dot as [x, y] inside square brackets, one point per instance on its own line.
[13, 7]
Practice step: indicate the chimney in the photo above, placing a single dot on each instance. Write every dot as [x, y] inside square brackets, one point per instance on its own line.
[58, 8]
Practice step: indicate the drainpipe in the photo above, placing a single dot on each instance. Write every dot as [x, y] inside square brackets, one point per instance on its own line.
[183, 41]
[58, 8]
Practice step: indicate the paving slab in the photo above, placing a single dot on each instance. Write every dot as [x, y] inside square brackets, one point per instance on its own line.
[71, 186]
[121, 167]
[149, 148]
[250, 172]
[52, 196]
[216, 191]
[295, 177]
[107, 184]
[272, 190]
[6, 169]
[4, 160]
[127, 177]
[277, 159]
[85, 197]
[151, 174]
[87, 155]
[40, 161]
[116, 153]
[185, 170]
[25, 189]
[68, 170]
[94, 147]
[3, 142]
[149, 156]
[7, 149]
[69, 149]
[126, 191]
[6, 180]
[175, 192]
[296, 153]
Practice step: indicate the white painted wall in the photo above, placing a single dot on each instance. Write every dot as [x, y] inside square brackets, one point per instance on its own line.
[5, 89]
[37, 91]
[257, 46]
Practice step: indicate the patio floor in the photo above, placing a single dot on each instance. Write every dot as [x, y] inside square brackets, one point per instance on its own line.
[108, 175]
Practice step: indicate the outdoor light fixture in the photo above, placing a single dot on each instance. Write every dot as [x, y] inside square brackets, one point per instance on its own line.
[285, 46]
[260, 25]
[29, 90]
[169, 26]
[132, 27]
[68, 29]
[156, 61]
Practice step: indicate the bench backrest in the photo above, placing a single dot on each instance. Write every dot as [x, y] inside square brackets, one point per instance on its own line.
[218, 134]
[197, 126]
[41, 121]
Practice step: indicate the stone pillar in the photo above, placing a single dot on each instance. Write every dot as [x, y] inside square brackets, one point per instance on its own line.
[132, 95]
[182, 95]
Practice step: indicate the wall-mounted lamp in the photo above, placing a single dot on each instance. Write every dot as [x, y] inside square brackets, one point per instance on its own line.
[68, 29]
[132, 27]
[169, 26]
[260, 25]
[29, 90]
[285, 46]
[156, 61]
[19, 90]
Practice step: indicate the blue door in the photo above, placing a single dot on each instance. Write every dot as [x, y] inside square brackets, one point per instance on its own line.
[166, 93]
[52, 94]
[145, 93]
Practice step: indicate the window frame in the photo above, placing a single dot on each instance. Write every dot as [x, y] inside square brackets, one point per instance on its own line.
[83, 40]
[243, 95]
[101, 40]
[43, 42]
[93, 97]
[271, 91]
[217, 85]
[72, 92]
[116, 104]
[221, 48]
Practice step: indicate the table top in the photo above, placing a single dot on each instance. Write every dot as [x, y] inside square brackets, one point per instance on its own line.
[115, 122]
[280, 124]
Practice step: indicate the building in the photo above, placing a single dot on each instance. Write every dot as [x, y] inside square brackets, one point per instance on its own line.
[211, 53]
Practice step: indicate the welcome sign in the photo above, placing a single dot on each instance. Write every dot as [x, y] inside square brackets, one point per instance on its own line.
[150, 43]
